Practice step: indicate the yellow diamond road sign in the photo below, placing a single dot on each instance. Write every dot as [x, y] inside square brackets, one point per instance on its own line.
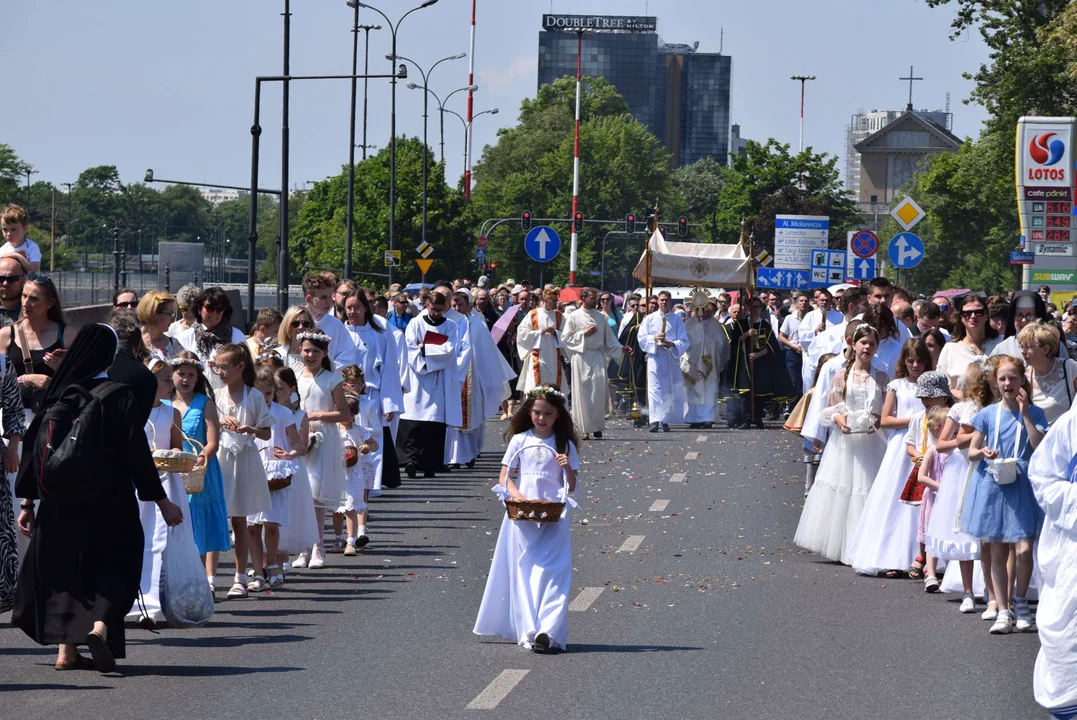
[424, 249]
[907, 213]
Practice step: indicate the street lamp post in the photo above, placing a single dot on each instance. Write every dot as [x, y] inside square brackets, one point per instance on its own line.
[803, 80]
[467, 126]
[423, 87]
[348, 222]
[392, 123]
[28, 172]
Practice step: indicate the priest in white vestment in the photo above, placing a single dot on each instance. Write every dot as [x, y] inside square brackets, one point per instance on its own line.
[662, 338]
[484, 375]
[701, 366]
[1053, 475]
[431, 389]
[589, 341]
[538, 340]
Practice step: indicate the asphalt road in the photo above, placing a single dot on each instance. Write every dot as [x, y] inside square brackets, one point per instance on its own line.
[713, 614]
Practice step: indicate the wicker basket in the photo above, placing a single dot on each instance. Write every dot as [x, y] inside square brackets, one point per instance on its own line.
[194, 479]
[181, 464]
[279, 483]
[351, 455]
[534, 510]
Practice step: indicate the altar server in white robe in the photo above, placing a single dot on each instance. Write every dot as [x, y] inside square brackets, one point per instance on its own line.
[815, 323]
[701, 366]
[662, 338]
[431, 389]
[589, 341]
[484, 375]
[1053, 473]
[538, 340]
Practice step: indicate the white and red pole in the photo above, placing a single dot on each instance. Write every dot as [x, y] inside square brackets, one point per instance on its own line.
[576, 166]
[470, 106]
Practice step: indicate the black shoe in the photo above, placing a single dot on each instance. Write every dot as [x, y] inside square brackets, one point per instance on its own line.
[412, 470]
[452, 466]
[654, 428]
[598, 435]
[759, 424]
[103, 660]
[471, 464]
[428, 473]
[708, 425]
[361, 541]
[695, 426]
[665, 427]
[541, 643]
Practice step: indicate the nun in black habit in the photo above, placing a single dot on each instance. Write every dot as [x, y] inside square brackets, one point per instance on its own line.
[81, 572]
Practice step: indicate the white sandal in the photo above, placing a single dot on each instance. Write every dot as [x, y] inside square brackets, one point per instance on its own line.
[258, 584]
[276, 579]
[238, 592]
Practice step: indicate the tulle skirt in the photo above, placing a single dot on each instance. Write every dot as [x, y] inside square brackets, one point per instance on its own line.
[836, 501]
[885, 539]
[945, 540]
[302, 530]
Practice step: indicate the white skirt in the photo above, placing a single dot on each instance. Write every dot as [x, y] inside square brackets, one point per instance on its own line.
[301, 531]
[885, 539]
[325, 466]
[245, 489]
[943, 540]
[835, 502]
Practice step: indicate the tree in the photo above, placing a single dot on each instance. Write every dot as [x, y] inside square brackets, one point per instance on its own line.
[623, 168]
[763, 183]
[318, 237]
[700, 184]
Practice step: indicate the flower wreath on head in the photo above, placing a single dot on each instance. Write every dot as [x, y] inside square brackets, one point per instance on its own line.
[313, 336]
[267, 355]
[193, 362]
[545, 391]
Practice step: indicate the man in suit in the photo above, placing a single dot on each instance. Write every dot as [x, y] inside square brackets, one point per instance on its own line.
[127, 369]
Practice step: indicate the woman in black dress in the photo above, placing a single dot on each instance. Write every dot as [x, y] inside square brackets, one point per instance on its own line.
[81, 572]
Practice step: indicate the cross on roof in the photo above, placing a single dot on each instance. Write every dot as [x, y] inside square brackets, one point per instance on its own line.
[911, 78]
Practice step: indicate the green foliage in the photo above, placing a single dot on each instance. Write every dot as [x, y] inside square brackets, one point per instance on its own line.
[623, 168]
[763, 184]
[12, 171]
[318, 237]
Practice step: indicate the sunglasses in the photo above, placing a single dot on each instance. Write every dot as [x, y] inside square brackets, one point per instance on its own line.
[183, 309]
[10, 278]
[128, 304]
[301, 324]
[973, 313]
[213, 309]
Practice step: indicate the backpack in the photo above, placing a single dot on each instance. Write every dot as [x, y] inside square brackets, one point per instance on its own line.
[69, 451]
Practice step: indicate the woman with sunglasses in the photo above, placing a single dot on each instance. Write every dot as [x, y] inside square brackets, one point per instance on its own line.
[155, 312]
[37, 343]
[124, 299]
[213, 332]
[295, 321]
[972, 340]
[185, 300]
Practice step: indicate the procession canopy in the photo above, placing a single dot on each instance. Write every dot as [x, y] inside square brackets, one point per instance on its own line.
[696, 264]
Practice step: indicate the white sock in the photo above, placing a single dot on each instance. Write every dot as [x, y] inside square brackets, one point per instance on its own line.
[351, 540]
[241, 579]
[362, 529]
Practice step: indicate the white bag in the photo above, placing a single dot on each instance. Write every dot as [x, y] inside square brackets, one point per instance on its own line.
[1005, 469]
[186, 600]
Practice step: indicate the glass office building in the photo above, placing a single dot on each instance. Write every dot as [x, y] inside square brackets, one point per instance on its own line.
[680, 94]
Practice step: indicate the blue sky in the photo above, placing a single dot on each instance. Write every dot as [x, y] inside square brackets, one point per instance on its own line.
[169, 85]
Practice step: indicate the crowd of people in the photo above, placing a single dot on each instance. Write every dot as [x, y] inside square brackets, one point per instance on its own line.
[937, 433]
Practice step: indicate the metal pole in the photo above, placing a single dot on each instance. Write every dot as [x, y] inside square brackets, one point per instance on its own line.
[52, 240]
[282, 273]
[470, 107]
[441, 115]
[426, 98]
[351, 147]
[252, 220]
[115, 258]
[576, 164]
[803, 79]
[366, 71]
[70, 235]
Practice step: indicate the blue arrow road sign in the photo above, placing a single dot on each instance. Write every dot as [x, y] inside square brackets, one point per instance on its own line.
[863, 269]
[778, 279]
[480, 253]
[542, 243]
[905, 250]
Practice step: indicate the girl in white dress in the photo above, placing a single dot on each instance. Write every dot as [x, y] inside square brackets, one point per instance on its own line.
[887, 528]
[944, 541]
[279, 462]
[244, 417]
[301, 532]
[358, 439]
[321, 393]
[852, 456]
[527, 591]
[163, 433]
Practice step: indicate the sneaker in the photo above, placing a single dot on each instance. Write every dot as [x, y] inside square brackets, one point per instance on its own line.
[931, 584]
[1025, 621]
[317, 559]
[301, 561]
[1004, 624]
[653, 428]
[338, 545]
[286, 566]
[349, 549]
[991, 613]
[968, 604]
[541, 643]
[665, 427]
[361, 541]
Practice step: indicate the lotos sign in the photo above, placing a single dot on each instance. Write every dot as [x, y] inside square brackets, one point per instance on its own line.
[1045, 190]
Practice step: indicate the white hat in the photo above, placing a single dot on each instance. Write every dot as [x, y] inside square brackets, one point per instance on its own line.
[464, 291]
[516, 289]
[483, 281]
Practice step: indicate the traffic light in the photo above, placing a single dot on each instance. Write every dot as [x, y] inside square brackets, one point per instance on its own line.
[577, 222]
[492, 272]
[662, 229]
[682, 226]
[630, 223]
[525, 220]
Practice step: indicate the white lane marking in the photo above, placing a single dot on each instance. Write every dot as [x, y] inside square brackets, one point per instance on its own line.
[676, 477]
[659, 505]
[496, 691]
[583, 601]
[701, 438]
[631, 544]
[691, 456]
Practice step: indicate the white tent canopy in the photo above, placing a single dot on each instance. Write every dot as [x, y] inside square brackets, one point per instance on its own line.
[694, 264]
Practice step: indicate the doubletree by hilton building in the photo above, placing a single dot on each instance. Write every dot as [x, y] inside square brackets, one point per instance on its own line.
[680, 94]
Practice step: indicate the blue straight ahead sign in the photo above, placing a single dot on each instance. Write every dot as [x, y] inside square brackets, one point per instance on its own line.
[542, 243]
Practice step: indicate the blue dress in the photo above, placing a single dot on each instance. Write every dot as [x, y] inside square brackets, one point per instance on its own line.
[1003, 513]
[209, 519]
